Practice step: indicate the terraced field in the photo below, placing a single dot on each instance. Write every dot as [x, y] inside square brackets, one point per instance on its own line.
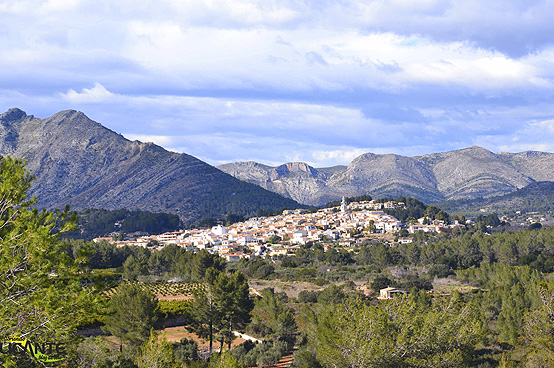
[169, 290]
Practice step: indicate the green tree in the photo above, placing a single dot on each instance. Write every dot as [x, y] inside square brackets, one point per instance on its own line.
[186, 350]
[305, 359]
[92, 353]
[443, 216]
[535, 226]
[286, 328]
[158, 264]
[156, 354]
[380, 282]
[221, 305]
[233, 300]
[510, 322]
[539, 329]
[397, 333]
[41, 298]
[371, 226]
[272, 318]
[204, 311]
[274, 239]
[225, 360]
[332, 294]
[136, 265]
[202, 261]
[132, 314]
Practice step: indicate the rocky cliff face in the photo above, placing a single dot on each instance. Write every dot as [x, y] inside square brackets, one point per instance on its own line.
[296, 180]
[467, 173]
[78, 162]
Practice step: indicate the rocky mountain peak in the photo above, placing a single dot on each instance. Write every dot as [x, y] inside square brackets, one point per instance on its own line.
[470, 172]
[14, 114]
[79, 162]
[67, 116]
[476, 151]
[295, 167]
[364, 157]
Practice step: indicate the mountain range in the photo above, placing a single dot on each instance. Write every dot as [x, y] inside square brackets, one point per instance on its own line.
[79, 162]
[468, 173]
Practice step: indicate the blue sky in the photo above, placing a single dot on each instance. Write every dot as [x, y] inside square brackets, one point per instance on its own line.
[279, 81]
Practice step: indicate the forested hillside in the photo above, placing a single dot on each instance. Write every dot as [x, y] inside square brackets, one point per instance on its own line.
[94, 223]
[535, 197]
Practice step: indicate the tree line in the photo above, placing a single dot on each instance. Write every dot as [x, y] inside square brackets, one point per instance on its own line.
[94, 223]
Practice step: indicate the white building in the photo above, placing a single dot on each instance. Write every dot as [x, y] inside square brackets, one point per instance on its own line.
[390, 293]
[219, 230]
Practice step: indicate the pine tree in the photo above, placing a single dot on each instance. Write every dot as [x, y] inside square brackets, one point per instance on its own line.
[41, 298]
[221, 305]
[539, 329]
[132, 314]
[397, 333]
[205, 313]
[156, 354]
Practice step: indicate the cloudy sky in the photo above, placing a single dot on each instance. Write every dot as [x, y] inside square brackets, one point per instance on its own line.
[279, 81]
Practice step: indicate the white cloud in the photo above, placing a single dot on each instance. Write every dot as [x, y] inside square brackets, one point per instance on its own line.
[61, 5]
[288, 80]
[96, 94]
[318, 59]
[345, 155]
[160, 140]
[179, 44]
[282, 120]
[488, 73]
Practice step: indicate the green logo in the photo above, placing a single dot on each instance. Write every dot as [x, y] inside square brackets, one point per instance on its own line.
[48, 352]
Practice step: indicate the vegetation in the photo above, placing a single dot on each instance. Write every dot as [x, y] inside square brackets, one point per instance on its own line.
[415, 332]
[504, 270]
[95, 223]
[535, 197]
[131, 314]
[497, 312]
[221, 306]
[156, 354]
[41, 298]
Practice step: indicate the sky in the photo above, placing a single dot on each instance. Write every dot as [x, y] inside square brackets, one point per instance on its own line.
[279, 81]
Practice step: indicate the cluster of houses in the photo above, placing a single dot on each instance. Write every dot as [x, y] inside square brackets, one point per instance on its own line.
[434, 226]
[283, 234]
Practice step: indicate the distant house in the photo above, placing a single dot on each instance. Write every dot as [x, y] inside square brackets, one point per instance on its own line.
[235, 257]
[390, 293]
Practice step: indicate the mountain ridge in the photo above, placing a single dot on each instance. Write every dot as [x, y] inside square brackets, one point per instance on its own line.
[82, 163]
[79, 162]
[471, 172]
[537, 196]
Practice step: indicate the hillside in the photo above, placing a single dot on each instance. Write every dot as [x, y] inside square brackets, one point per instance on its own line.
[79, 162]
[468, 173]
[295, 180]
[535, 197]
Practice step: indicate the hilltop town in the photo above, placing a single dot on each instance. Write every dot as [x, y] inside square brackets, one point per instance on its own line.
[345, 226]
